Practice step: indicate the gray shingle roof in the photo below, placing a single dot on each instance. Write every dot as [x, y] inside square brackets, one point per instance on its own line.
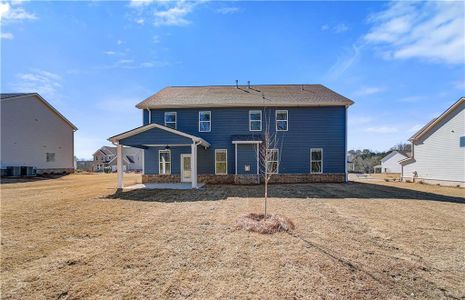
[256, 95]
[11, 95]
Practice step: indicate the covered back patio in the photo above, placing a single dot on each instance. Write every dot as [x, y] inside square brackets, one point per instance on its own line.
[163, 138]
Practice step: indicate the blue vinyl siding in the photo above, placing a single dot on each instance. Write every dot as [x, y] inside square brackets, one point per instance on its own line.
[246, 155]
[151, 159]
[145, 116]
[155, 136]
[308, 127]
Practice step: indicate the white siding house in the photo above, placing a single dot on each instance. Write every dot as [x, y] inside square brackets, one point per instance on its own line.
[390, 163]
[35, 134]
[438, 150]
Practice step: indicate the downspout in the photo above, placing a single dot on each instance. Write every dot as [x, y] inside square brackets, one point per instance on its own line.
[345, 149]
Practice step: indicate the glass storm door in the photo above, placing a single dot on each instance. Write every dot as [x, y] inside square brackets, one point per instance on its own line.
[186, 168]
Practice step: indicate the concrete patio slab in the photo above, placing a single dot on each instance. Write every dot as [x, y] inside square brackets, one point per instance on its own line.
[163, 186]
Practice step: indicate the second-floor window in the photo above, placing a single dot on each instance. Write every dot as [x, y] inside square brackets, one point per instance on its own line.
[281, 120]
[205, 121]
[170, 119]
[255, 120]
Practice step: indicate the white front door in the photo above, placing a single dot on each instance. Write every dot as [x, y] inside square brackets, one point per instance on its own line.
[186, 168]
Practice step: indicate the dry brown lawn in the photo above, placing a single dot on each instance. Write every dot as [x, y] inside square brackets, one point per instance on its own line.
[73, 237]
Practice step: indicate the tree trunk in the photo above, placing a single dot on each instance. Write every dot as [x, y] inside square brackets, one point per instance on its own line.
[266, 195]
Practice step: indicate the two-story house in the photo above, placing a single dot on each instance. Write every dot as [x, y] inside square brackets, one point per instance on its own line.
[438, 150]
[213, 134]
[104, 159]
[34, 136]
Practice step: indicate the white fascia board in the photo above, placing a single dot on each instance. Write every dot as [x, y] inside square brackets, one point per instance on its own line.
[246, 142]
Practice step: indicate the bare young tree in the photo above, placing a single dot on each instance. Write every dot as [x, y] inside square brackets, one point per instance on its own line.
[269, 155]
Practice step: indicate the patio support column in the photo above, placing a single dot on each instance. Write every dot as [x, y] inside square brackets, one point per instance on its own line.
[194, 165]
[119, 165]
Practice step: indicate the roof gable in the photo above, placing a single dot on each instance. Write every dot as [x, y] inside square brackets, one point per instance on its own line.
[433, 123]
[18, 96]
[392, 154]
[240, 96]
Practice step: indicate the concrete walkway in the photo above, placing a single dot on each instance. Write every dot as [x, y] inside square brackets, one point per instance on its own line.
[163, 186]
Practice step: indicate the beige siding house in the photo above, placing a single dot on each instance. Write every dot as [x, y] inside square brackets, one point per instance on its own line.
[35, 134]
[438, 150]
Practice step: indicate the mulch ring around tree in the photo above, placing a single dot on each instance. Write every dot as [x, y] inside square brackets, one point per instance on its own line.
[272, 223]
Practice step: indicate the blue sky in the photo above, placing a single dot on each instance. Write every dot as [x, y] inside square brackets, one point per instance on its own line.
[403, 63]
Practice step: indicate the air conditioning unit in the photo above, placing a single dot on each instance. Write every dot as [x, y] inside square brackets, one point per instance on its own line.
[13, 171]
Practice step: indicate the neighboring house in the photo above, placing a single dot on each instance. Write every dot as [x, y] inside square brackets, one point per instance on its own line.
[438, 149]
[390, 163]
[35, 135]
[213, 133]
[105, 159]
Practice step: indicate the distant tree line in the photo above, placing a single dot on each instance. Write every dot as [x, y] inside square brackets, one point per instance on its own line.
[364, 161]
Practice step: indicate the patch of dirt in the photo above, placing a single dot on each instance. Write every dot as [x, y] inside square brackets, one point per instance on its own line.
[76, 237]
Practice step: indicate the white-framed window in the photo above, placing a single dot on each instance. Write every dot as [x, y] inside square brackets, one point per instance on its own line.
[205, 121]
[255, 120]
[281, 120]
[221, 161]
[316, 160]
[164, 159]
[272, 161]
[50, 157]
[170, 119]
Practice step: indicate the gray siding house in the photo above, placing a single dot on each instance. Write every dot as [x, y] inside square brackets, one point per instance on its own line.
[35, 134]
[390, 163]
[213, 134]
[438, 149]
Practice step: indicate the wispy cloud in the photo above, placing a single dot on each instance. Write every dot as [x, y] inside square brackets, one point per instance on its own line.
[338, 28]
[133, 64]
[110, 52]
[6, 36]
[45, 83]
[10, 12]
[173, 16]
[427, 30]
[228, 10]
[140, 3]
[164, 13]
[411, 99]
[359, 120]
[345, 61]
[415, 128]
[368, 90]
[459, 84]
[382, 129]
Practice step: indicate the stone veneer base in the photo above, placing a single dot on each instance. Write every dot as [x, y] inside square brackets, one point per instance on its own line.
[249, 179]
